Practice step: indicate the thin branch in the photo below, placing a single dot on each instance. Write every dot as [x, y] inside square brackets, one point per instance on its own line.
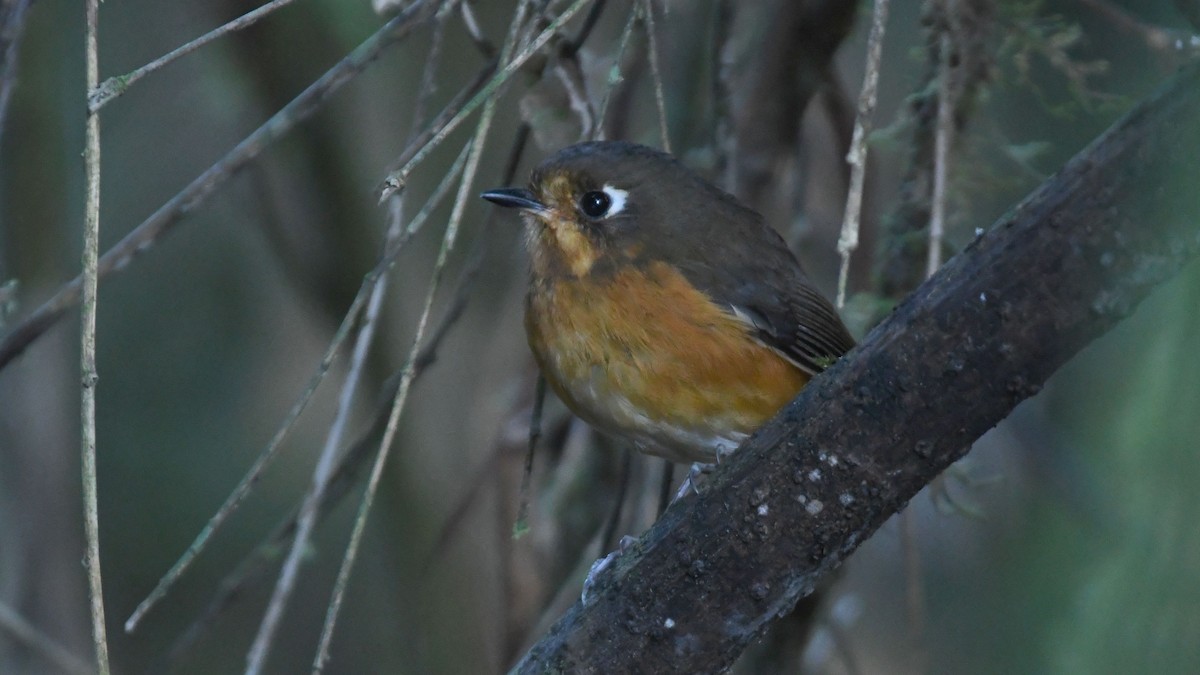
[568, 72]
[848, 241]
[485, 475]
[29, 635]
[1069, 263]
[429, 77]
[521, 526]
[399, 402]
[448, 114]
[902, 256]
[87, 366]
[510, 440]
[398, 178]
[656, 73]
[664, 486]
[475, 32]
[113, 87]
[409, 371]
[608, 535]
[941, 145]
[237, 582]
[585, 31]
[147, 234]
[724, 140]
[614, 73]
[252, 476]
[325, 470]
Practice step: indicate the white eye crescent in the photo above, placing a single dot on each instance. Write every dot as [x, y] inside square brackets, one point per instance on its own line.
[606, 202]
[618, 198]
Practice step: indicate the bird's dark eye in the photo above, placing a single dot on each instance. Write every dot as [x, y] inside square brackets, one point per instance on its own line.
[595, 204]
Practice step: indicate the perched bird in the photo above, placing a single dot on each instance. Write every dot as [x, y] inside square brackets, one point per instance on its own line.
[660, 309]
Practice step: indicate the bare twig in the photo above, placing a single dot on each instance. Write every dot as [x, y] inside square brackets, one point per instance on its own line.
[486, 473]
[941, 147]
[589, 23]
[614, 73]
[238, 581]
[91, 255]
[848, 241]
[475, 32]
[233, 585]
[521, 526]
[88, 351]
[448, 114]
[664, 486]
[325, 469]
[113, 87]
[242, 490]
[659, 100]
[724, 141]
[396, 179]
[147, 234]
[401, 398]
[29, 635]
[252, 476]
[512, 437]
[409, 371]
[902, 255]
[568, 72]
[608, 536]
[429, 77]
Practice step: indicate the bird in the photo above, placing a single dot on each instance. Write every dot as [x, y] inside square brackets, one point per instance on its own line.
[660, 309]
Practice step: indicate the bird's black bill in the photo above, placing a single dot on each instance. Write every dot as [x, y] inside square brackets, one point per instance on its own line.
[514, 198]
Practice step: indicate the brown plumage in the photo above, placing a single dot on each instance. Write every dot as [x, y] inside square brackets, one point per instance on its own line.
[660, 309]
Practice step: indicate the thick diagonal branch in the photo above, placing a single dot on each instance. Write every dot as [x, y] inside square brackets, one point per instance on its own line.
[983, 334]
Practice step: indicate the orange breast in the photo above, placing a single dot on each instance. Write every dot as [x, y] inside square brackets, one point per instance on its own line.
[643, 355]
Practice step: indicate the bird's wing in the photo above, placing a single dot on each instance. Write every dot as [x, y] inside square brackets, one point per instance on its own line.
[764, 286]
[798, 323]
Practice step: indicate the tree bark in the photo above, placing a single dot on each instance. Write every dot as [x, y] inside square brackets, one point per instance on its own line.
[983, 334]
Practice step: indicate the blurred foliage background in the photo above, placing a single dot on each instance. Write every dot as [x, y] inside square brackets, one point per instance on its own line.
[1069, 542]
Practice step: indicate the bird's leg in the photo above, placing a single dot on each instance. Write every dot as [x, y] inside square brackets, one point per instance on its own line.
[690, 481]
[602, 564]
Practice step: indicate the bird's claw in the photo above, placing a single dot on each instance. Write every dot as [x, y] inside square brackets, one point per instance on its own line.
[690, 483]
[602, 564]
